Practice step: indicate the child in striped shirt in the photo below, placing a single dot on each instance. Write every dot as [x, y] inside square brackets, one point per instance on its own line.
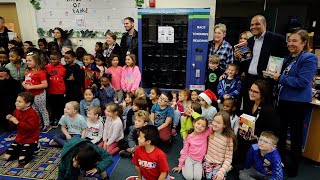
[218, 159]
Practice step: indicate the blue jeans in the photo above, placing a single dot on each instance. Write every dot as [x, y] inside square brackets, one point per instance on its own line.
[61, 139]
[176, 118]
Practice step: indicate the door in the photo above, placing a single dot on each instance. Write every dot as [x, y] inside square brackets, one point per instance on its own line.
[9, 13]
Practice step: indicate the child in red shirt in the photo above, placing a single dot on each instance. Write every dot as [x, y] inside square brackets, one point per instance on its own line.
[36, 82]
[150, 162]
[56, 87]
[28, 129]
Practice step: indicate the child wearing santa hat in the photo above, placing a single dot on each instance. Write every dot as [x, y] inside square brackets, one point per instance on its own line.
[206, 99]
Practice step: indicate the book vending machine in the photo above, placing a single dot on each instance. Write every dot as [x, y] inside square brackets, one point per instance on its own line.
[173, 47]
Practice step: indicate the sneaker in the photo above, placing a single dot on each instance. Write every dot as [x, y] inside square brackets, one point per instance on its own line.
[38, 148]
[46, 128]
[173, 132]
[55, 123]
[125, 154]
[53, 143]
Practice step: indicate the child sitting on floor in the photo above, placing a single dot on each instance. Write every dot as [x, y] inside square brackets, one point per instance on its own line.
[161, 116]
[141, 119]
[194, 149]
[192, 112]
[208, 111]
[72, 125]
[80, 154]
[139, 103]
[150, 162]
[94, 130]
[28, 129]
[113, 129]
[263, 160]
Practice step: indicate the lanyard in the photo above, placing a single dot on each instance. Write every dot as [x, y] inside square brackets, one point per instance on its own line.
[289, 65]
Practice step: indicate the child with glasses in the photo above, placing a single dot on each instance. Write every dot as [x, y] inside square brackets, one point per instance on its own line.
[263, 160]
[161, 116]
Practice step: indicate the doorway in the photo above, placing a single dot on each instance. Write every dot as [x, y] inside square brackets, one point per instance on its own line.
[9, 13]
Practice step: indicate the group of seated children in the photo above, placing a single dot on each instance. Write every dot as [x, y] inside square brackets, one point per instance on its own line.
[207, 149]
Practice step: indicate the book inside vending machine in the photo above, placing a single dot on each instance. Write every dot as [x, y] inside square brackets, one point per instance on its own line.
[173, 47]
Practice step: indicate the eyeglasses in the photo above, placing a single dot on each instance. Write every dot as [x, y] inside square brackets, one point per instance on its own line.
[163, 99]
[264, 141]
[253, 91]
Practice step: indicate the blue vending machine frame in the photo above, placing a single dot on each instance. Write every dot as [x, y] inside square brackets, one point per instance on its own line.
[197, 42]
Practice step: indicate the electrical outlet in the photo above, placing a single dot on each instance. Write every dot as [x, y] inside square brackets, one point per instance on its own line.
[80, 42]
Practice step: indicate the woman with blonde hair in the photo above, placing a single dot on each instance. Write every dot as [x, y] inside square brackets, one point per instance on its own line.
[220, 46]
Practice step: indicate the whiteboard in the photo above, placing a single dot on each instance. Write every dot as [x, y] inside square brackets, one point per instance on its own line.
[94, 15]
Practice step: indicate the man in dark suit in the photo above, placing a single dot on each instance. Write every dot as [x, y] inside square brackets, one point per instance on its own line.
[262, 44]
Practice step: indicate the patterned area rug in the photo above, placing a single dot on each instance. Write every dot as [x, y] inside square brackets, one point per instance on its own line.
[44, 164]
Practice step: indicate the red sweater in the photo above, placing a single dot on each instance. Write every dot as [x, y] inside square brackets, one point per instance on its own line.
[28, 128]
[56, 79]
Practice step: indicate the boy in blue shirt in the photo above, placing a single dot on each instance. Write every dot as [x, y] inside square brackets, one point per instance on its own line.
[161, 116]
[263, 160]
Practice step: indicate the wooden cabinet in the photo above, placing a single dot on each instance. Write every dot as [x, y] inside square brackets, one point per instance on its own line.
[312, 148]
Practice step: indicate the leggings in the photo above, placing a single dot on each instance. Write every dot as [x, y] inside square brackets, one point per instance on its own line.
[40, 106]
[17, 150]
[192, 169]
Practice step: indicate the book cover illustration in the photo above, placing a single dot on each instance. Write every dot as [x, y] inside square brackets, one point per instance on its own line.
[275, 64]
[245, 52]
[246, 126]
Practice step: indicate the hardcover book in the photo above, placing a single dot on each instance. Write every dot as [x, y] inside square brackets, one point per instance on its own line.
[246, 126]
[275, 64]
[245, 53]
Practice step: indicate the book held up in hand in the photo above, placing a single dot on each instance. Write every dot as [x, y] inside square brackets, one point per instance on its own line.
[275, 64]
[246, 126]
[245, 52]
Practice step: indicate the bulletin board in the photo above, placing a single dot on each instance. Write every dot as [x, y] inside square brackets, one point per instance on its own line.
[97, 16]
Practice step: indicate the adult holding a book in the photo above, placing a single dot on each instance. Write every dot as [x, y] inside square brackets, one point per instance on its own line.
[295, 93]
[221, 47]
[263, 44]
[264, 117]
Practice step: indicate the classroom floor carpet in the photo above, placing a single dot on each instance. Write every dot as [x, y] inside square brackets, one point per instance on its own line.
[44, 164]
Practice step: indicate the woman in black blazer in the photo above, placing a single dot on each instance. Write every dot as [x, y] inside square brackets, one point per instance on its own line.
[266, 118]
[111, 47]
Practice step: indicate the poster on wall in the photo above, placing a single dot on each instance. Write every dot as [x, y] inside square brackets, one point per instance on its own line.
[80, 21]
[165, 34]
[97, 16]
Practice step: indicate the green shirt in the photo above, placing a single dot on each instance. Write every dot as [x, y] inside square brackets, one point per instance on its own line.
[17, 73]
[187, 124]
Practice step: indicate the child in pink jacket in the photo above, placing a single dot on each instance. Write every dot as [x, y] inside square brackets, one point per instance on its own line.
[131, 76]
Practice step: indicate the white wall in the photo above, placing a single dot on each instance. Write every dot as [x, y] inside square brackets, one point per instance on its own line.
[27, 18]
